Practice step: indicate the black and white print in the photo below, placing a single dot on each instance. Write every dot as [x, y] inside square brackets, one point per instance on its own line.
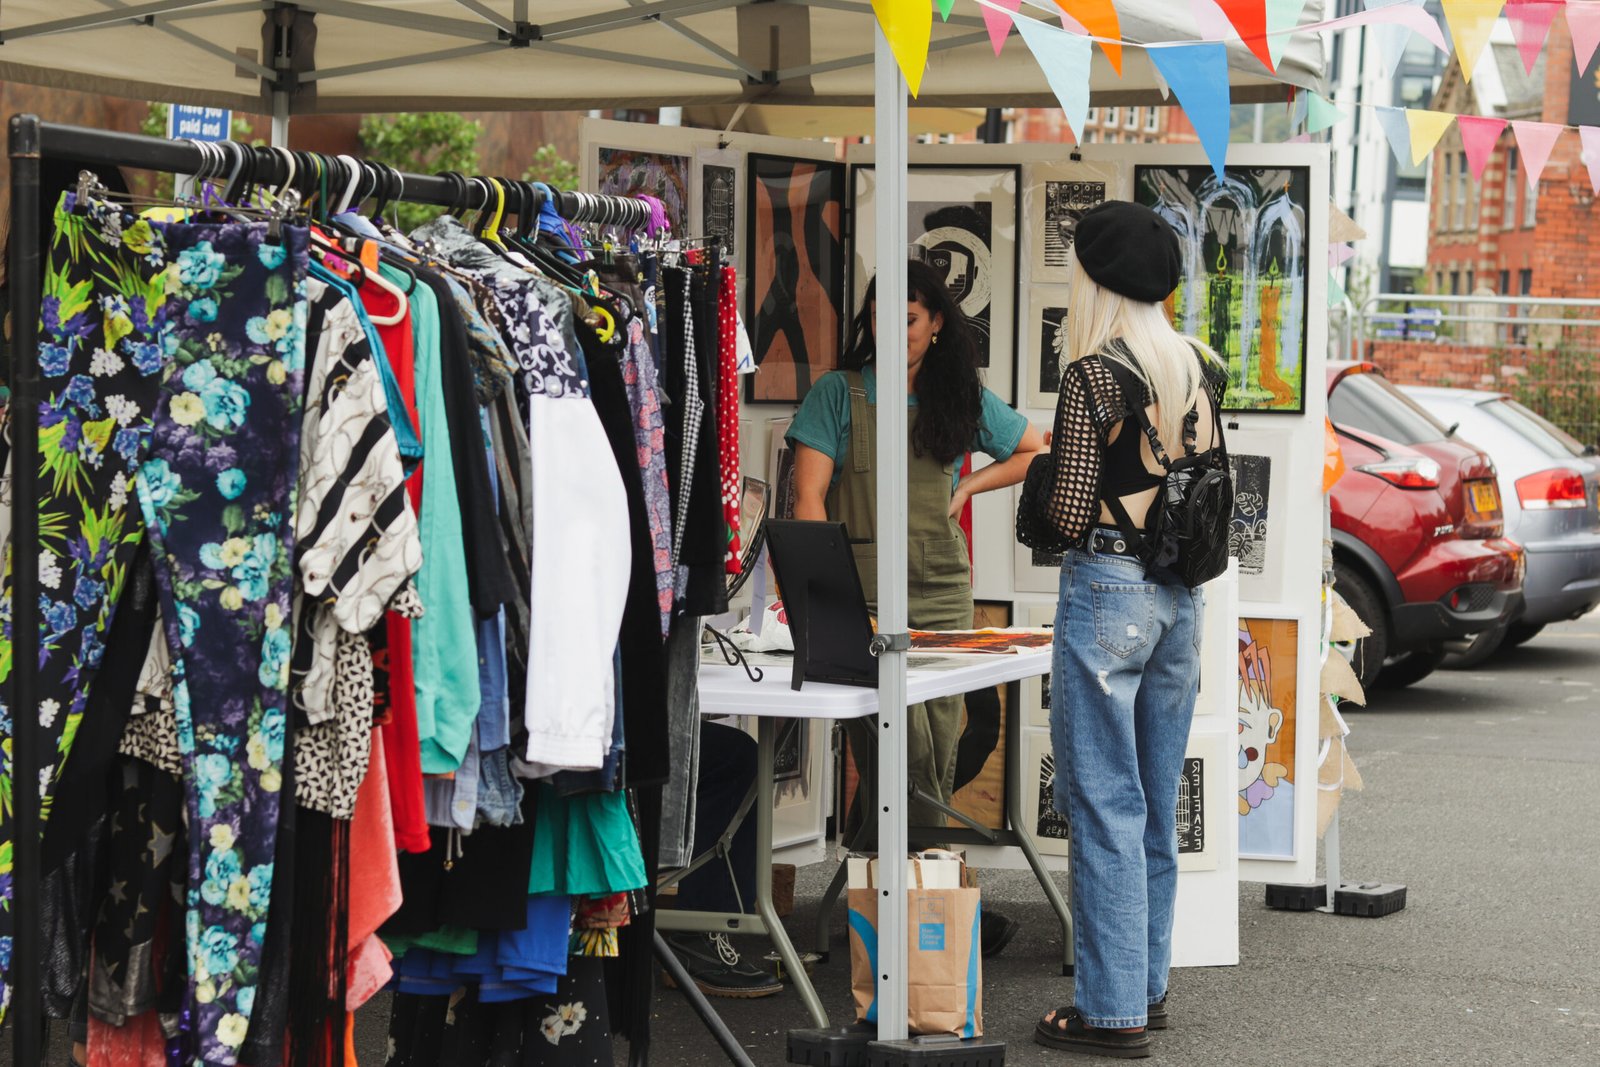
[1192, 807]
[1050, 823]
[957, 241]
[718, 203]
[1247, 536]
[1052, 347]
[1064, 204]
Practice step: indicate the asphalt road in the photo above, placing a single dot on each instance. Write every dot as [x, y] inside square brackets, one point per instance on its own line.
[1482, 798]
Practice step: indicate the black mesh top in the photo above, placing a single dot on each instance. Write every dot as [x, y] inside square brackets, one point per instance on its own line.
[1096, 395]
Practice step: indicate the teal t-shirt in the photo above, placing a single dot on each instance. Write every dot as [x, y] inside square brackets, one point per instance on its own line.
[823, 421]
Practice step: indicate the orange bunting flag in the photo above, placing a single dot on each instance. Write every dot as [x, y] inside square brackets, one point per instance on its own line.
[1333, 467]
[908, 25]
[1099, 17]
[1471, 22]
[1249, 17]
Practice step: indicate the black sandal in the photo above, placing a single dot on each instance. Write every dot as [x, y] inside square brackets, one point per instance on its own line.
[1078, 1036]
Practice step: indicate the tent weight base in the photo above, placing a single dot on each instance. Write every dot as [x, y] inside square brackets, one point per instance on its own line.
[937, 1051]
[1291, 896]
[1369, 900]
[835, 1046]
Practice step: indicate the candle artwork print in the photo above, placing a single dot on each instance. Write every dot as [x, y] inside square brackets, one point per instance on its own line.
[1246, 273]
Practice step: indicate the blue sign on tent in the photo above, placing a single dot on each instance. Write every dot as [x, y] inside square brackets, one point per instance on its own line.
[199, 123]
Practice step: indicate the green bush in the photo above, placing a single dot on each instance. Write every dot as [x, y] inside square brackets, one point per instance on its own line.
[1563, 385]
[154, 124]
[552, 168]
[421, 142]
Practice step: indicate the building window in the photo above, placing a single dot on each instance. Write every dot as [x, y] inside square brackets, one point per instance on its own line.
[1112, 138]
[1530, 206]
[1111, 117]
[1094, 116]
[1092, 137]
[1525, 282]
[1133, 118]
[1508, 210]
[1471, 275]
[1152, 120]
[1447, 187]
[1463, 181]
[1438, 281]
[1455, 283]
[1505, 283]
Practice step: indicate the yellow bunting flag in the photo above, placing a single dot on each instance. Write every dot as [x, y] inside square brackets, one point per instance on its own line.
[1099, 17]
[1471, 23]
[1426, 129]
[908, 24]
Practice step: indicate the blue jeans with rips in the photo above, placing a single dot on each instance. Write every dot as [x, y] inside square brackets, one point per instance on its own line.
[1126, 672]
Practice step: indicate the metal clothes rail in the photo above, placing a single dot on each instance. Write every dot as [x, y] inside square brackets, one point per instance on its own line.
[30, 142]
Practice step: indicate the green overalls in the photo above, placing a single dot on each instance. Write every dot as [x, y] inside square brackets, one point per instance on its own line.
[939, 581]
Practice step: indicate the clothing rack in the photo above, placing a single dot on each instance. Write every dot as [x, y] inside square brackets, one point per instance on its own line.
[30, 141]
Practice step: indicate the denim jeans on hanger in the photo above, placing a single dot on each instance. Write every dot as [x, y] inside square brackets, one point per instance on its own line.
[1126, 669]
[683, 726]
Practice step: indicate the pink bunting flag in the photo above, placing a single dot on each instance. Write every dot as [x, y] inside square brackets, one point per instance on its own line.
[998, 23]
[1584, 22]
[1591, 154]
[1534, 141]
[1339, 255]
[1530, 26]
[1478, 136]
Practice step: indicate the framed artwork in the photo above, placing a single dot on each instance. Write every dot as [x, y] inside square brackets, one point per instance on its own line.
[716, 198]
[1048, 826]
[980, 782]
[962, 221]
[1056, 197]
[795, 266]
[780, 470]
[1033, 571]
[1269, 653]
[1046, 353]
[1202, 796]
[1036, 690]
[1219, 648]
[627, 171]
[1259, 461]
[1246, 284]
[803, 772]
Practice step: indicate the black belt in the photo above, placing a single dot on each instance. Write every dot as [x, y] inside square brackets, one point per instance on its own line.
[1110, 544]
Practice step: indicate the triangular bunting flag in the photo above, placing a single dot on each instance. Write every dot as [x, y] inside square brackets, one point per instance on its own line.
[1100, 18]
[1426, 129]
[1064, 57]
[1340, 254]
[1211, 20]
[998, 23]
[1471, 22]
[1320, 113]
[944, 9]
[1534, 141]
[1198, 74]
[1249, 18]
[1530, 26]
[1591, 154]
[1584, 22]
[1395, 127]
[1282, 16]
[1478, 135]
[1391, 39]
[1336, 294]
[908, 25]
[1297, 114]
[1341, 227]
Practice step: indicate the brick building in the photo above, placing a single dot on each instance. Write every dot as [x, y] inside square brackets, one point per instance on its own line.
[1104, 125]
[1498, 235]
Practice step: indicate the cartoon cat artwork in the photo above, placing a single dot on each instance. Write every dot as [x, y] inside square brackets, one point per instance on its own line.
[1266, 786]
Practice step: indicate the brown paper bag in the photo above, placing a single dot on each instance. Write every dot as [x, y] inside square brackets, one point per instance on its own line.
[945, 959]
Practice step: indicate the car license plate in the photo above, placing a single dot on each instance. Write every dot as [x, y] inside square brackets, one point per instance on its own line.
[1484, 499]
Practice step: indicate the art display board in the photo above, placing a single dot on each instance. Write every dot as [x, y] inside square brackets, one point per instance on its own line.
[1269, 192]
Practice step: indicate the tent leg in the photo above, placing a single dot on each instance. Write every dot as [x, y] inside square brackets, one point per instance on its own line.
[889, 141]
[280, 120]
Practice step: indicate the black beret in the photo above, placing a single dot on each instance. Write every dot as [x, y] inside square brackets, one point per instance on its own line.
[1130, 250]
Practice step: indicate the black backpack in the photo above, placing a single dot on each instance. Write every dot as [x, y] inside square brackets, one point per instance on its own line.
[1188, 524]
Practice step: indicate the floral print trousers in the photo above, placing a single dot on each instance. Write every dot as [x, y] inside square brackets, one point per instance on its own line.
[217, 491]
[105, 309]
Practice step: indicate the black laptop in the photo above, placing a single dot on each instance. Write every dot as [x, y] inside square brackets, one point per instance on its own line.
[822, 596]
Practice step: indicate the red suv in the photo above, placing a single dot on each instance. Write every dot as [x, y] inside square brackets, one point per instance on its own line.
[1418, 550]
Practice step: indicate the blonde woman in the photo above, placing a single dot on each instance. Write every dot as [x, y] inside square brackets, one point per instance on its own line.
[1126, 657]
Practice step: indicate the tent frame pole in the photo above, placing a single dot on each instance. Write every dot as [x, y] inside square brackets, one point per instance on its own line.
[889, 142]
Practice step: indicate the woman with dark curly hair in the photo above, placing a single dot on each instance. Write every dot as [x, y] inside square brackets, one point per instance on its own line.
[834, 436]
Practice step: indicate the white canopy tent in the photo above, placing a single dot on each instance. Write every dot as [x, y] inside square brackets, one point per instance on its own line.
[326, 56]
[330, 56]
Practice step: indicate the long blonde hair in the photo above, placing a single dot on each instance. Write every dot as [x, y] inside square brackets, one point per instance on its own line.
[1163, 358]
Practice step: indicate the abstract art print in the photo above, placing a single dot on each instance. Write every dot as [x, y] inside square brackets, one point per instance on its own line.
[1259, 462]
[1047, 825]
[962, 221]
[1269, 656]
[1047, 346]
[1056, 197]
[716, 199]
[627, 172]
[796, 267]
[1246, 278]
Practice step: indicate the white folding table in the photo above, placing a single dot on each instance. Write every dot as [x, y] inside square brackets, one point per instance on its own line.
[728, 690]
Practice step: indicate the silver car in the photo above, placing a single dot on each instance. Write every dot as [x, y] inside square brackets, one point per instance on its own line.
[1550, 492]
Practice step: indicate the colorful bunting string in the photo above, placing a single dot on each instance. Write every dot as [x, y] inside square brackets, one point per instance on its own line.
[1320, 113]
[1397, 130]
[1471, 23]
[1478, 137]
[1100, 19]
[998, 22]
[1530, 26]
[1426, 129]
[908, 26]
[1061, 55]
[1584, 22]
[1282, 17]
[1534, 141]
[1198, 75]
[1249, 18]
[1591, 154]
